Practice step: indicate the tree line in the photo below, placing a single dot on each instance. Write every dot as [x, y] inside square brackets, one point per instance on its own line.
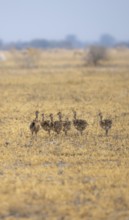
[70, 42]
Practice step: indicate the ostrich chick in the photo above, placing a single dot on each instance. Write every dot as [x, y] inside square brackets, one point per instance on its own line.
[46, 125]
[35, 124]
[79, 124]
[105, 124]
[57, 125]
[66, 126]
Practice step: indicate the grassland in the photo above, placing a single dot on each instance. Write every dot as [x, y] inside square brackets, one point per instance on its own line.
[64, 178]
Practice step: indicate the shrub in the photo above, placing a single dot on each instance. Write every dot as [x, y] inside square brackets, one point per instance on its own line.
[96, 54]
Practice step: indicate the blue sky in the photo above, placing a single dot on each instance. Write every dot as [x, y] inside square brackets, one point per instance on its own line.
[54, 19]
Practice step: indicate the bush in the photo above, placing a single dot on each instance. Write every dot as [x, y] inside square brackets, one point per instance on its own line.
[96, 54]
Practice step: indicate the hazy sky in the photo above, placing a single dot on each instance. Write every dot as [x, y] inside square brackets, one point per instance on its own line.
[54, 19]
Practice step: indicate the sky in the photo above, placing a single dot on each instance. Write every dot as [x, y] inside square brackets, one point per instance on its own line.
[24, 20]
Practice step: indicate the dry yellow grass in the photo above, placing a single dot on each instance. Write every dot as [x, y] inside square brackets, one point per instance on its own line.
[64, 178]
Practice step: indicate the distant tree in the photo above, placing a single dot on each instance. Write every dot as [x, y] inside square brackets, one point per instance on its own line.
[1, 44]
[122, 44]
[107, 40]
[96, 54]
[39, 43]
[72, 41]
[71, 38]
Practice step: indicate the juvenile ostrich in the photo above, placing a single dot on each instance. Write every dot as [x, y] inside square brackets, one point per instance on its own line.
[35, 124]
[105, 124]
[66, 126]
[57, 125]
[79, 124]
[46, 125]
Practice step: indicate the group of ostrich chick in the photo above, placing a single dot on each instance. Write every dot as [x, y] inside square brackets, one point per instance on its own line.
[65, 125]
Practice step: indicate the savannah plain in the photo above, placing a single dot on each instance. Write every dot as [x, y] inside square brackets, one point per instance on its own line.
[62, 177]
